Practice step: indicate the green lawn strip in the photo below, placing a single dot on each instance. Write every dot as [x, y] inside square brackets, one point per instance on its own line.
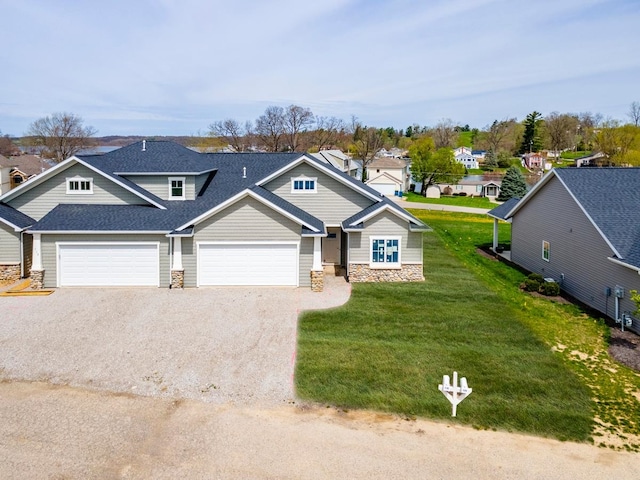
[477, 202]
[579, 339]
[389, 346]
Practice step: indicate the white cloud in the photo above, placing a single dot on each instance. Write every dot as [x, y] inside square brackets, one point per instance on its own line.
[171, 62]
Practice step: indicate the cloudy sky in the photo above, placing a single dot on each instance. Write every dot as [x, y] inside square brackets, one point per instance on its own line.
[171, 67]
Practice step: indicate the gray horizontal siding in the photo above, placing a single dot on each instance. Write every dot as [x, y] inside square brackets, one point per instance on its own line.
[159, 184]
[577, 250]
[306, 261]
[9, 245]
[49, 260]
[245, 221]
[41, 199]
[383, 225]
[333, 202]
[199, 182]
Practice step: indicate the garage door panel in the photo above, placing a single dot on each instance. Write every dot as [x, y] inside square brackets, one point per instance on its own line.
[387, 189]
[108, 265]
[243, 264]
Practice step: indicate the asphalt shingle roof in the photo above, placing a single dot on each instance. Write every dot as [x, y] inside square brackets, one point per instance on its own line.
[81, 218]
[233, 174]
[611, 197]
[14, 217]
[503, 209]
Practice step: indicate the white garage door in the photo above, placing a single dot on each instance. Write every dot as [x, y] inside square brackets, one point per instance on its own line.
[387, 189]
[244, 264]
[108, 264]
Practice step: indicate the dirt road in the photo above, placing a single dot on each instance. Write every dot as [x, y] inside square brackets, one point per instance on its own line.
[58, 432]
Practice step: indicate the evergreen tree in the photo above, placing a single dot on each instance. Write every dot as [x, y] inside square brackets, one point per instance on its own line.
[513, 185]
[531, 140]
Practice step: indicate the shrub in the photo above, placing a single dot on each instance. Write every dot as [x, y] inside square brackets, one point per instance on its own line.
[531, 285]
[550, 289]
[463, 194]
[536, 276]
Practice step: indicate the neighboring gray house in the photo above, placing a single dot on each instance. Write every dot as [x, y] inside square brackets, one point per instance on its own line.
[339, 160]
[581, 227]
[159, 214]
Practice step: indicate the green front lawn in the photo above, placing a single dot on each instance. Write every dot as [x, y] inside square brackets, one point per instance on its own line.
[477, 202]
[534, 366]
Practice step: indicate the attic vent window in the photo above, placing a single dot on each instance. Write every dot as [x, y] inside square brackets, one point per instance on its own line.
[176, 188]
[79, 186]
[304, 185]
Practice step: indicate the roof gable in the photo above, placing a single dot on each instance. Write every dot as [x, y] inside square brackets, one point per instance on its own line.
[61, 167]
[329, 170]
[264, 196]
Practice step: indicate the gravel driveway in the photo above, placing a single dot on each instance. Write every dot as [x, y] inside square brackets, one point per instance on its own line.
[213, 344]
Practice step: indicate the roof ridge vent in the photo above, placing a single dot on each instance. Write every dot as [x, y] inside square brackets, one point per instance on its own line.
[144, 145]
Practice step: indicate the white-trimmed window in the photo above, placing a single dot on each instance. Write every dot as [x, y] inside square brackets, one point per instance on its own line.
[79, 186]
[177, 188]
[385, 251]
[545, 250]
[304, 185]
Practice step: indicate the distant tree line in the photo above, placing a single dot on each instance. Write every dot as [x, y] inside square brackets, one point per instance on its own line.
[296, 129]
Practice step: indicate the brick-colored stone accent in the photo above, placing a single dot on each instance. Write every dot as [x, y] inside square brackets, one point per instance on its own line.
[317, 281]
[364, 273]
[37, 279]
[9, 273]
[177, 278]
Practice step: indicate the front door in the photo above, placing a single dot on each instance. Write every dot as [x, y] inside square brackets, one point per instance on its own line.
[331, 246]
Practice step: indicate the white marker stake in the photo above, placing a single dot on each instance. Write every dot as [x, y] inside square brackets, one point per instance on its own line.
[454, 393]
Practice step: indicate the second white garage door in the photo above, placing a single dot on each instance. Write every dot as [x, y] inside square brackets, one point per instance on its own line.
[108, 264]
[247, 264]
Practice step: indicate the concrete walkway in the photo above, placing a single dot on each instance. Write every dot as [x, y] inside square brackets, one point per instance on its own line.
[436, 206]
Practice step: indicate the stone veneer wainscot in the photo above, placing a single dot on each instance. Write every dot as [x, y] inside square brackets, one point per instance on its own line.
[9, 273]
[364, 273]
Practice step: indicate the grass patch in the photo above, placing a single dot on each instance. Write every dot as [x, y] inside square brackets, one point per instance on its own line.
[535, 366]
[574, 155]
[388, 348]
[477, 202]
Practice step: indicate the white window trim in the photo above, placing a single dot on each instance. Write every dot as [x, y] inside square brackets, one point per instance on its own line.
[184, 188]
[79, 179]
[548, 250]
[387, 265]
[304, 178]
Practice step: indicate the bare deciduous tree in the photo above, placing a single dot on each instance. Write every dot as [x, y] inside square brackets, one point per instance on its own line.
[444, 134]
[561, 130]
[497, 135]
[231, 131]
[62, 135]
[327, 132]
[634, 113]
[7, 147]
[270, 128]
[296, 121]
[367, 141]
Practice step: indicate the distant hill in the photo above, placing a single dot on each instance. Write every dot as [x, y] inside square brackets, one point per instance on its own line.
[122, 140]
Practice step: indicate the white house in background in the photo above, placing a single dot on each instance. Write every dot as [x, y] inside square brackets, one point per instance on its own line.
[468, 160]
[341, 161]
[464, 156]
[462, 151]
[388, 175]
